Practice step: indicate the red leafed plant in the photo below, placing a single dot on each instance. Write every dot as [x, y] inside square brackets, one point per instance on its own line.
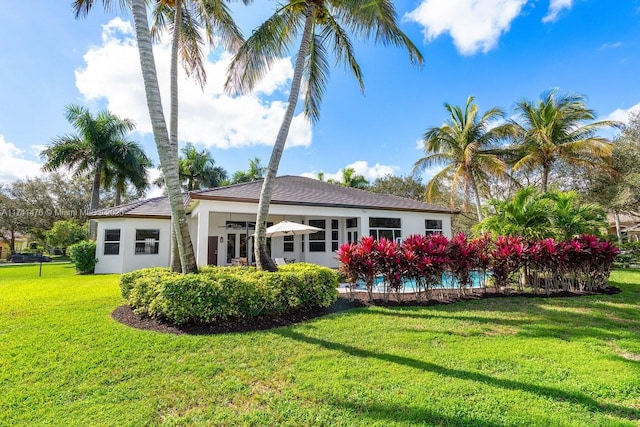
[359, 262]
[392, 265]
[427, 259]
[462, 255]
[506, 259]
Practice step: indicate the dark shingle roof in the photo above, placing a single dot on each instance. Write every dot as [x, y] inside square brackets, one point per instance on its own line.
[158, 207]
[298, 190]
[287, 190]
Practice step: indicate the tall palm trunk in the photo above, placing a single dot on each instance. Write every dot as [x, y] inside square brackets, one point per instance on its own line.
[546, 169]
[176, 265]
[476, 194]
[263, 261]
[95, 202]
[616, 217]
[168, 158]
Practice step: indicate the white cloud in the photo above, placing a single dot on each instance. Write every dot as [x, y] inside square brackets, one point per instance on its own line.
[361, 167]
[154, 190]
[209, 117]
[613, 45]
[622, 115]
[474, 25]
[14, 165]
[555, 7]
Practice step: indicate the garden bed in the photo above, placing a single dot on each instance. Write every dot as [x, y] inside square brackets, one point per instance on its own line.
[125, 315]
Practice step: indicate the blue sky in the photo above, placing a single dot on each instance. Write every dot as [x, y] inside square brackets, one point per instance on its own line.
[500, 51]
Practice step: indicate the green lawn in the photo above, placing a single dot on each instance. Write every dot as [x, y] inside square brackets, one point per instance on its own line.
[500, 362]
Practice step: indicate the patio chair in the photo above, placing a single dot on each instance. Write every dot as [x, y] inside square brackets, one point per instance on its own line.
[280, 261]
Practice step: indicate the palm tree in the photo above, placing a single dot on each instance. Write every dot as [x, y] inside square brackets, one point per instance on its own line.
[321, 26]
[255, 172]
[528, 215]
[167, 146]
[197, 170]
[131, 169]
[463, 146]
[350, 179]
[571, 218]
[96, 149]
[189, 21]
[555, 128]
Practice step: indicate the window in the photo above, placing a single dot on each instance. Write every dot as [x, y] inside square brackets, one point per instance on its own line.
[317, 241]
[112, 242]
[288, 243]
[231, 247]
[389, 228]
[432, 226]
[334, 235]
[147, 242]
[352, 230]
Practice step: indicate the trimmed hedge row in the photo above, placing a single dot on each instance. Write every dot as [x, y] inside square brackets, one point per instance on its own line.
[219, 293]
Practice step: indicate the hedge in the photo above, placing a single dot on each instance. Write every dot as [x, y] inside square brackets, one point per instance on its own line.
[83, 255]
[217, 294]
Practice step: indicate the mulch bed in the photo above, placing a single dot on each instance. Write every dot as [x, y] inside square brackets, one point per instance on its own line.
[125, 315]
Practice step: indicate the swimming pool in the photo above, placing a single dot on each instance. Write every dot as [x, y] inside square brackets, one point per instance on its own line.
[478, 280]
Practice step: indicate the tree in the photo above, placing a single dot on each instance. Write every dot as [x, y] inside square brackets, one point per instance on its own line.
[533, 214]
[350, 179]
[65, 233]
[100, 144]
[255, 172]
[197, 170]
[320, 26]
[131, 169]
[403, 186]
[462, 145]
[558, 127]
[526, 215]
[189, 21]
[30, 207]
[572, 218]
[168, 156]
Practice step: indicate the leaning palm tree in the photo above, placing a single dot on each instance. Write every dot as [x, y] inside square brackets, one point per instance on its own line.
[559, 127]
[95, 148]
[321, 26]
[462, 145]
[167, 149]
[190, 23]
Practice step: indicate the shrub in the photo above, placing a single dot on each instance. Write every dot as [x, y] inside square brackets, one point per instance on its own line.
[83, 255]
[360, 262]
[219, 293]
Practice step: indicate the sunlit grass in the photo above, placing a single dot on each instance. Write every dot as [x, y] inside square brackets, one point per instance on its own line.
[496, 362]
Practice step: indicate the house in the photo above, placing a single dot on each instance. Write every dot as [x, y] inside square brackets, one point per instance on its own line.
[21, 243]
[222, 222]
[629, 226]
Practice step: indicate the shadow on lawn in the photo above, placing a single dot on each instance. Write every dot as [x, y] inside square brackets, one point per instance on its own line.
[543, 391]
[603, 317]
[415, 415]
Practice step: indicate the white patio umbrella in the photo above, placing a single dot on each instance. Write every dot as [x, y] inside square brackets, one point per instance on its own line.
[288, 228]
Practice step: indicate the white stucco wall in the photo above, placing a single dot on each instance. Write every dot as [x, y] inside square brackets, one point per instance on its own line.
[220, 212]
[215, 214]
[127, 259]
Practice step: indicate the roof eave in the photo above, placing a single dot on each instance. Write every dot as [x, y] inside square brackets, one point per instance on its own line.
[324, 205]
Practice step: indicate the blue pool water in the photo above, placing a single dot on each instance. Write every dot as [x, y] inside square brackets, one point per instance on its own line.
[478, 279]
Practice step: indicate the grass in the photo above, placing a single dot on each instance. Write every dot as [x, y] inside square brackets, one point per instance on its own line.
[499, 362]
